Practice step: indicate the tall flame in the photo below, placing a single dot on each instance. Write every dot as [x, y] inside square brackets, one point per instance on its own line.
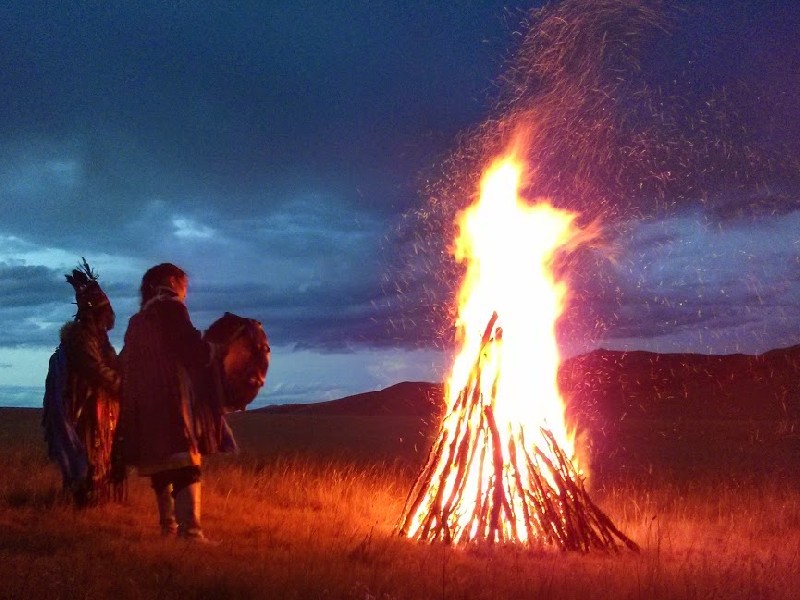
[508, 246]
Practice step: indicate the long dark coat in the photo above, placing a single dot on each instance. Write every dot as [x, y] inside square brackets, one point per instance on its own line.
[165, 413]
[92, 395]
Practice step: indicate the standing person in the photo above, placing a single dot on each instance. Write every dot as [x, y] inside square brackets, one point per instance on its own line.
[164, 425]
[80, 417]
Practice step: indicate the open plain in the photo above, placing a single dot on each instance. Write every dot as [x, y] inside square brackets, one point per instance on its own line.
[308, 509]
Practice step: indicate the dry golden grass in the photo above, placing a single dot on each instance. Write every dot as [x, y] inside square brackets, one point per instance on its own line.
[308, 511]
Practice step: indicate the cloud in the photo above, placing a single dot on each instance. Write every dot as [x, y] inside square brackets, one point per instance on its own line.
[225, 109]
[695, 279]
[309, 269]
[188, 228]
[36, 326]
[24, 286]
[301, 270]
[36, 300]
[271, 150]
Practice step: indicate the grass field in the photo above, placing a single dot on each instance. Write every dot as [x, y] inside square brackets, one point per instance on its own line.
[308, 510]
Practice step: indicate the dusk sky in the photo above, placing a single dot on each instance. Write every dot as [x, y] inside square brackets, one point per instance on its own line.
[285, 155]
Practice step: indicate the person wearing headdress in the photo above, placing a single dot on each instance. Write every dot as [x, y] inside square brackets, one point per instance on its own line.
[92, 387]
[165, 426]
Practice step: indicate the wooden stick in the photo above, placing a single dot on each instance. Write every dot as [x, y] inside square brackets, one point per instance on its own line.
[551, 503]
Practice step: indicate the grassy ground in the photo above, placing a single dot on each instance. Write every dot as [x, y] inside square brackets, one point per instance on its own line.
[308, 509]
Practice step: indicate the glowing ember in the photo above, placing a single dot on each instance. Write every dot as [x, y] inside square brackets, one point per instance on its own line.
[501, 468]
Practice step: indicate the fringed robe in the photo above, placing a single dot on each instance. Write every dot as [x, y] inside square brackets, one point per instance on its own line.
[92, 399]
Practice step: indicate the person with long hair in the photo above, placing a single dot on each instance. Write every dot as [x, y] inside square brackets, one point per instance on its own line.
[162, 434]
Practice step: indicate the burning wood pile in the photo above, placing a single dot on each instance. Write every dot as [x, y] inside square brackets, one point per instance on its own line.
[531, 492]
[501, 469]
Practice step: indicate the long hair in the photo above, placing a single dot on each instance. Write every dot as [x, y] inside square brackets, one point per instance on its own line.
[159, 277]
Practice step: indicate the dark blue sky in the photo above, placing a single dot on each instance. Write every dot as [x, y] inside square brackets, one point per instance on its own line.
[286, 155]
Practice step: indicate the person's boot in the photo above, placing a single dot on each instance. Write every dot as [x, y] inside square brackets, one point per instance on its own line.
[187, 512]
[166, 511]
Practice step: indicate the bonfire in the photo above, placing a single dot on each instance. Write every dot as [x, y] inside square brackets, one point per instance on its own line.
[503, 467]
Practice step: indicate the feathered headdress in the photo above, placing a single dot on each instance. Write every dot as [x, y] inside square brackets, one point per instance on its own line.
[88, 294]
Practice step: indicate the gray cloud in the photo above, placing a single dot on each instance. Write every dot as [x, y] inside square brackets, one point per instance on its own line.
[33, 326]
[691, 276]
[273, 151]
[225, 111]
[25, 286]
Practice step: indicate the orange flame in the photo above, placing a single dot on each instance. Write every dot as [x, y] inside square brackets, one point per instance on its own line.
[508, 246]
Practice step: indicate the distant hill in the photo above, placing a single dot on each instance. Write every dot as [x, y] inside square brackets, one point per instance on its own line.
[608, 385]
[410, 398]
